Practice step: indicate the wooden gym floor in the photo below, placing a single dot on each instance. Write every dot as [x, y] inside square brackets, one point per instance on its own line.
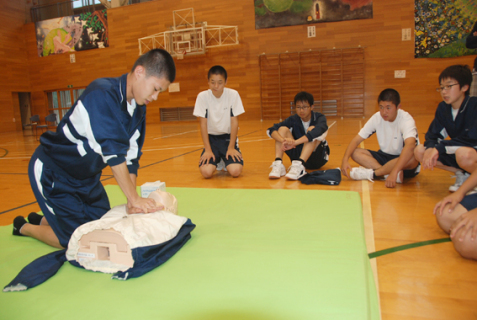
[420, 282]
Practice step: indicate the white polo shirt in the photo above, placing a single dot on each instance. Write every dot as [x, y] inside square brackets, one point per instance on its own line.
[391, 135]
[218, 110]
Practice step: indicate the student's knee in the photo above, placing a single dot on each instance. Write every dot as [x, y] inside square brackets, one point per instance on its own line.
[310, 146]
[313, 144]
[466, 158]
[207, 175]
[467, 248]
[358, 153]
[207, 170]
[411, 164]
[234, 169]
[419, 152]
[445, 220]
[284, 131]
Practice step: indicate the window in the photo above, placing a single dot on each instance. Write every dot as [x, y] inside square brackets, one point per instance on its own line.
[60, 101]
[84, 6]
[83, 3]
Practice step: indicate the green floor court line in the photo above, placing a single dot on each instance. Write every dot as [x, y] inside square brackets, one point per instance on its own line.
[406, 246]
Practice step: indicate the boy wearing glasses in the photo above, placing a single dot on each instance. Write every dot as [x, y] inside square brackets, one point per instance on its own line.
[302, 137]
[456, 118]
[397, 137]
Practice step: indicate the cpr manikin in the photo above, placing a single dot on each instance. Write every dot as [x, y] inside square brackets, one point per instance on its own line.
[105, 244]
[128, 245]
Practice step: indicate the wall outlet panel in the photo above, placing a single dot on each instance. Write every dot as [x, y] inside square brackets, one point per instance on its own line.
[400, 74]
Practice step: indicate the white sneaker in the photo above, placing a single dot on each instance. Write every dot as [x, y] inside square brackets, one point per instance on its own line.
[296, 170]
[278, 170]
[399, 177]
[362, 173]
[221, 166]
[460, 178]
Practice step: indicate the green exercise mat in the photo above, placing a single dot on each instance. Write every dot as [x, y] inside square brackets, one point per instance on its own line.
[255, 254]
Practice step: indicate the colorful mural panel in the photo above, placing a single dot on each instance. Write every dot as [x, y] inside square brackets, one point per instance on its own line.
[278, 13]
[441, 27]
[73, 33]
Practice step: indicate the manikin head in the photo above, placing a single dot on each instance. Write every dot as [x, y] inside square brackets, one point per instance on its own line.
[166, 199]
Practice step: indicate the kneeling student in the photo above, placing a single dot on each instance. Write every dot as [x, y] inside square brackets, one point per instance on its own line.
[397, 137]
[302, 138]
[217, 110]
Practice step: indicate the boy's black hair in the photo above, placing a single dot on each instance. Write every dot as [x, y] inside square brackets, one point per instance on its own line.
[217, 70]
[158, 63]
[390, 95]
[304, 96]
[460, 73]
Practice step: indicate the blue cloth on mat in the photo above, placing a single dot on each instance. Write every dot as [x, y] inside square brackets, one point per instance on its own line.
[328, 177]
[145, 259]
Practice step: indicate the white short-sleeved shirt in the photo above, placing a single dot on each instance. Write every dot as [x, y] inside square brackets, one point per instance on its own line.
[391, 135]
[218, 110]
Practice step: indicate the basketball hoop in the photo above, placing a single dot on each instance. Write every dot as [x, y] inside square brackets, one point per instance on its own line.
[180, 55]
[189, 36]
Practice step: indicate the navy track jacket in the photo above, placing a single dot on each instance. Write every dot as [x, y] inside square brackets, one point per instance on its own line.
[98, 131]
[462, 131]
[298, 130]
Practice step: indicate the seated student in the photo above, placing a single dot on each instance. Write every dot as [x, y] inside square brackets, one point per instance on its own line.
[456, 117]
[218, 109]
[456, 214]
[302, 137]
[397, 137]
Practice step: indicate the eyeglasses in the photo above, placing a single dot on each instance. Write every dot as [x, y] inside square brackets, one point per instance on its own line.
[302, 108]
[448, 87]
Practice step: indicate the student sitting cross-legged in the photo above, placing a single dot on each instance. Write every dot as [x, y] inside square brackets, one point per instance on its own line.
[397, 137]
[302, 138]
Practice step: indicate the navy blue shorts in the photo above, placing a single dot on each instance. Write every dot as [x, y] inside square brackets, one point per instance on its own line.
[220, 145]
[469, 202]
[448, 160]
[317, 159]
[382, 158]
[66, 202]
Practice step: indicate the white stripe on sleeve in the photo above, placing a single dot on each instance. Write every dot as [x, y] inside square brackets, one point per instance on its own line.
[81, 122]
[133, 151]
[38, 170]
[78, 142]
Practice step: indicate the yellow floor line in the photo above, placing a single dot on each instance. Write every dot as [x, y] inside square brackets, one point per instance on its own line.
[369, 228]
